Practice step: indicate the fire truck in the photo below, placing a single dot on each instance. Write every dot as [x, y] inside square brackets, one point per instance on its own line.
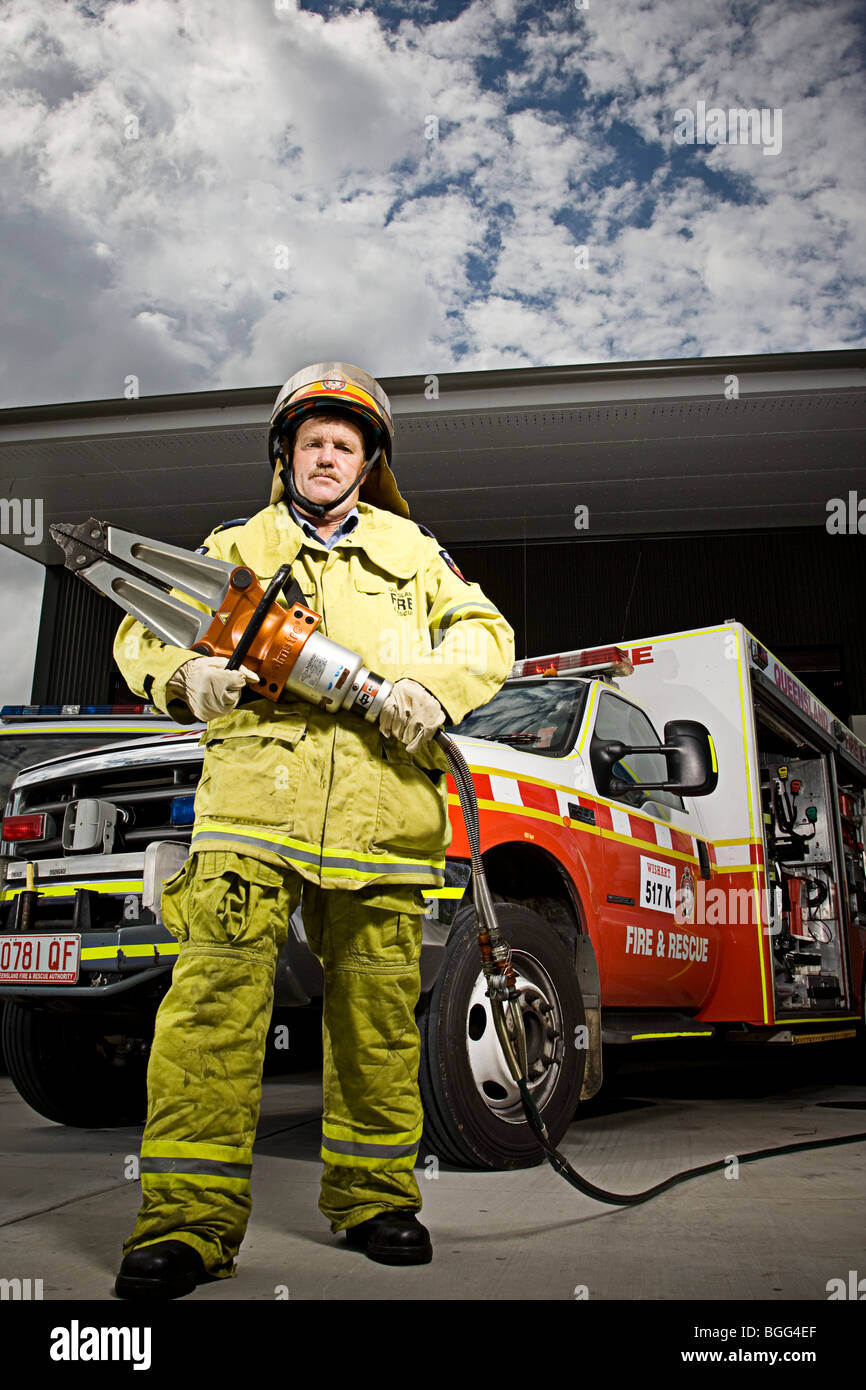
[633, 911]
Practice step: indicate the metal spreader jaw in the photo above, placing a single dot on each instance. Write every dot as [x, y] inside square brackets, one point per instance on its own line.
[244, 623]
[138, 574]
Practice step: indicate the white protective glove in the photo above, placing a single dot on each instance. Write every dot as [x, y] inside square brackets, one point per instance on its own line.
[411, 714]
[207, 687]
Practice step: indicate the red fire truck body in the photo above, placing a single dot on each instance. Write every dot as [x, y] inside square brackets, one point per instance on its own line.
[687, 904]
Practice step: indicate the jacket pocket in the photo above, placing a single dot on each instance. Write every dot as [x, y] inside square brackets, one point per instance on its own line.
[284, 722]
[250, 780]
[173, 904]
[412, 812]
[237, 902]
[390, 612]
[367, 583]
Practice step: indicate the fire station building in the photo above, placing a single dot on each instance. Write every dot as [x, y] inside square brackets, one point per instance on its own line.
[594, 504]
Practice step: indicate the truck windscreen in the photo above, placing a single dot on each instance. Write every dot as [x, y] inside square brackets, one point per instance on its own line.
[541, 716]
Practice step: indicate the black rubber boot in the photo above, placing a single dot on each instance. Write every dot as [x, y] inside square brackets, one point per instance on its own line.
[392, 1238]
[166, 1269]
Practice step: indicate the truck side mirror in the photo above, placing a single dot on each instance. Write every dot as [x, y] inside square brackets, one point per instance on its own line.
[691, 758]
[690, 755]
[604, 757]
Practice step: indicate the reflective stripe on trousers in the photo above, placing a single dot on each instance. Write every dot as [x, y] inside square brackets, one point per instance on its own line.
[204, 1076]
[379, 1152]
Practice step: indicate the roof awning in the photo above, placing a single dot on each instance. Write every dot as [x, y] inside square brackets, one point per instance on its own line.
[648, 448]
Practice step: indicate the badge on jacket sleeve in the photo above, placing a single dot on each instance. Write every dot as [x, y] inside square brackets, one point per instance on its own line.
[425, 531]
[451, 565]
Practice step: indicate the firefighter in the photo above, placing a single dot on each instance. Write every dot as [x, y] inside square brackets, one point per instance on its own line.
[298, 805]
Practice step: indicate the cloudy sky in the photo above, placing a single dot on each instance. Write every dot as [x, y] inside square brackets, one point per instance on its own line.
[206, 193]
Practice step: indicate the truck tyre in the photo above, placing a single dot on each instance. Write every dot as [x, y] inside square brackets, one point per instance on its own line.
[473, 1114]
[71, 1071]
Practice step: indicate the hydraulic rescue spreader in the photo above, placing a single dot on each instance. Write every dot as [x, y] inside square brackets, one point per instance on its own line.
[282, 645]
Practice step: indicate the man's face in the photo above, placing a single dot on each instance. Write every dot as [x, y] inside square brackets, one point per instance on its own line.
[327, 457]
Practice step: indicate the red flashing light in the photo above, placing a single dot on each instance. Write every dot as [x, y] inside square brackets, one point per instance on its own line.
[25, 827]
[600, 656]
[589, 661]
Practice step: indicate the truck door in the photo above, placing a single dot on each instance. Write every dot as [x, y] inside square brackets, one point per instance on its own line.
[655, 954]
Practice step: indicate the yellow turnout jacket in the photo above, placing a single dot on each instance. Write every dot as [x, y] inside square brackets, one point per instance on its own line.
[327, 794]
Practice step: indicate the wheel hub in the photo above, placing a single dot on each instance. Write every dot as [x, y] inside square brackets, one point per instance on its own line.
[542, 1023]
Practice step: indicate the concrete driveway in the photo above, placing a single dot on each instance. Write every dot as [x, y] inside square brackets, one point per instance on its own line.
[777, 1230]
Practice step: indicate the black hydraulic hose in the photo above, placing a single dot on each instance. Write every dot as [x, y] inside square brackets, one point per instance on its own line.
[822, 892]
[484, 910]
[468, 800]
[633, 1199]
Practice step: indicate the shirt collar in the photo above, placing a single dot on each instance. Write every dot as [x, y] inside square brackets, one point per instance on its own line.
[308, 527]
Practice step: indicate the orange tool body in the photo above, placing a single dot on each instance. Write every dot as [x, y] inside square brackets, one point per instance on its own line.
[276, 646]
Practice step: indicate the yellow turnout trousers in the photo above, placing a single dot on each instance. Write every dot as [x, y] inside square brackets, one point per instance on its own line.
[231, 914]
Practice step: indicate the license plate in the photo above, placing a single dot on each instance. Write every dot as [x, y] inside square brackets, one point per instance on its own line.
[39, 960]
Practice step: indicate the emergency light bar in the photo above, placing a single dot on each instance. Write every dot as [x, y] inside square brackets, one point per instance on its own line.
[591, 661]
[53, 711]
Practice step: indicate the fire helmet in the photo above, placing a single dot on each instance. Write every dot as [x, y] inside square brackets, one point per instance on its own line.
[339, 389]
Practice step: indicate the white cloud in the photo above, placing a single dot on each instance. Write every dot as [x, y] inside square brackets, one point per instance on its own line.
[156, 251]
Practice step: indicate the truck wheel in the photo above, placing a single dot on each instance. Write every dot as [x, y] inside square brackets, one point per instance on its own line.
[473, 1114]
[73, 1072]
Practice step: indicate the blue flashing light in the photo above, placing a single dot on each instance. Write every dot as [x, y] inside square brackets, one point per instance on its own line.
[182, 810]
